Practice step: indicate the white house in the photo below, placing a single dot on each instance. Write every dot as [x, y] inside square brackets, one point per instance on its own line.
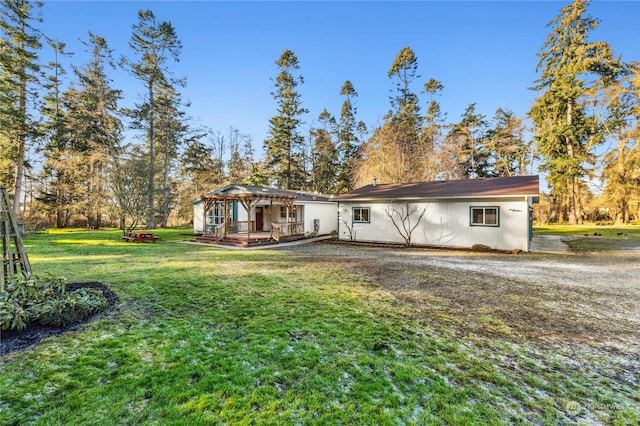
[494, 212]
[259, 215]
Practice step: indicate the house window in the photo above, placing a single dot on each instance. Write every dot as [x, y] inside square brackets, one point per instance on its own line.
[215, 216]
[292, 214]
[361, 215]
[485, 216]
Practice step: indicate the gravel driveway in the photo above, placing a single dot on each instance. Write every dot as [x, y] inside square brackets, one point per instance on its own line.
[592, 298]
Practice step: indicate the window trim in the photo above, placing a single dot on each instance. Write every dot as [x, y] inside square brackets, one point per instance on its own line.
[353, 214]
[293, 215]
[484, 215]
[215, 215]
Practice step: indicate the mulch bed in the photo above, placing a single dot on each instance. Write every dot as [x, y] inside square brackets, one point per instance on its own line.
[16, 340]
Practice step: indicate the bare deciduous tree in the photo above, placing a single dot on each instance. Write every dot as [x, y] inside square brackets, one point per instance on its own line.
[350, 229]
[403, 224]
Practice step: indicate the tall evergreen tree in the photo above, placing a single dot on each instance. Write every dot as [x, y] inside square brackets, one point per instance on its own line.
[405, 108]
[571, 66]
[171, 131]
[348, 142]
[324, 156]
[94, 125]
[466, 144]
[19, 69]
[284, 148]
[506, 146]
[201, 167]
[56, 195]
[432, 133]
[154, 43]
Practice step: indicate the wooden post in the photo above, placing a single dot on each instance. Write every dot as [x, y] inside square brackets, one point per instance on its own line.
[14, 257]
[249, 204]
[227, 219]
[208, 204]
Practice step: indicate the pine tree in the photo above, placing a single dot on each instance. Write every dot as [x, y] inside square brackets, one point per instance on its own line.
[505, 144]
[94, 127]
[54, 132]
[348, 142]
[405, 108]
[200, 167]
[19, 69]
[466, 146]
[432, 133]
[284, 148]
[154, 43]
[324, 155]
[172, 131]
[571, 66]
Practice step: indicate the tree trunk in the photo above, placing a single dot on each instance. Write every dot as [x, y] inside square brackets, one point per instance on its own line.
[622, 194]
[571, 188]
[22, 141]
[152, 161]
[165, 188]
[571, 202]
[579, 209]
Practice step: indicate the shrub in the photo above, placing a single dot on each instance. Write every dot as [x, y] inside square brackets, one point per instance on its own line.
[12, 314]
[72, 307]
[30, 298]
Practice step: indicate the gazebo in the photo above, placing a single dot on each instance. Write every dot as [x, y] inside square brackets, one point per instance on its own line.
[242, 230]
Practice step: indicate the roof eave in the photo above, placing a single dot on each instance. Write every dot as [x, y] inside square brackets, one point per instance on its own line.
[443, 197]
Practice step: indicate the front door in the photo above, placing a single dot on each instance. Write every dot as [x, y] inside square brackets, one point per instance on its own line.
[259, 223]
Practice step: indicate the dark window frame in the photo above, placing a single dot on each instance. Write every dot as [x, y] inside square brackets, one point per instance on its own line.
[484, 209]
[360, 215]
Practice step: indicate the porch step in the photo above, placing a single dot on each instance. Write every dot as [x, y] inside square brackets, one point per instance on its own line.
[236, 241]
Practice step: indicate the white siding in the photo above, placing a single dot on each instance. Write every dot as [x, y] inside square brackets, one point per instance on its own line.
[445, 223]
[325, 213]
[198, 217]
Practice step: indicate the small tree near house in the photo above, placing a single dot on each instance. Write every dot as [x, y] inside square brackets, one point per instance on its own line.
[401, 219]
[350, 229]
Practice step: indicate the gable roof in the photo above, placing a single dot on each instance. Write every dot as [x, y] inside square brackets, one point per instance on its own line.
[247, 191]
[487, 187]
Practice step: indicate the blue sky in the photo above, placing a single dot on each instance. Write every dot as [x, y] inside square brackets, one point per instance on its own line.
[483, 52]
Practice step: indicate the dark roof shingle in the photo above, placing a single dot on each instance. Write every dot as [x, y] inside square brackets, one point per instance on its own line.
[259, 190]
[487, 187]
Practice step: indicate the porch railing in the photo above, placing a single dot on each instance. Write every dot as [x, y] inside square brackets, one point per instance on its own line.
[242, 226]
[279, 230]
[220, 231]
[235, 227]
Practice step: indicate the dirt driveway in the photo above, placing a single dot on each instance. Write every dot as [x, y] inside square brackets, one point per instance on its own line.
[565, 299]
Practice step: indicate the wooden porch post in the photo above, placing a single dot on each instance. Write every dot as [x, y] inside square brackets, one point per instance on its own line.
[225, 228]
[208, 204]
[249, 205]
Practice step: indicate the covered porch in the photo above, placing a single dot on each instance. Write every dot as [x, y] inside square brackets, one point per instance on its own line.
[223, 226]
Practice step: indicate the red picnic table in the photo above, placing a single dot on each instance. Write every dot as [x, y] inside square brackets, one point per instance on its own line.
[140, 236]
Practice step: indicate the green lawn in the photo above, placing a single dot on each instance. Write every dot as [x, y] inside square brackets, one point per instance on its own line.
[619, 232]
[208, 336]
[590, 237]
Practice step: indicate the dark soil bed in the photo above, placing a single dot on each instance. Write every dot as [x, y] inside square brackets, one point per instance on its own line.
[16, 340]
